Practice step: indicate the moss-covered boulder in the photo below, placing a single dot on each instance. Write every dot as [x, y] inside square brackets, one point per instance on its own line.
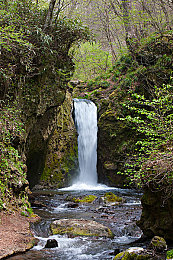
[85, 199]
[158, 244]
[80, 227]
[136, 253]
[111, 199]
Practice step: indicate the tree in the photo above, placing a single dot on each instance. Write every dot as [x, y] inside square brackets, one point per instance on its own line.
[49, 15]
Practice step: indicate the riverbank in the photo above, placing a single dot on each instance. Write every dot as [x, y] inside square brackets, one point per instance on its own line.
[16, 236]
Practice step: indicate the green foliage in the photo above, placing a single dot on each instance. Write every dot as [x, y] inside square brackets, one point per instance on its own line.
[12, 167]
[152, 120]
[27, 50]
[90, 61]
[169, 254]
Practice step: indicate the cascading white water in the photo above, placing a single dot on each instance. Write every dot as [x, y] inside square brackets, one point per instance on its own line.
[86, 122]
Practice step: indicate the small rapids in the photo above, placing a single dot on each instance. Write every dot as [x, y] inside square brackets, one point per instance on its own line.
[120, 219]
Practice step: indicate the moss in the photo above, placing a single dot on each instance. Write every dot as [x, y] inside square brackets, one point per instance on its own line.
[170, 254]
[59, 230]
[61, 158]
[158, 244]
[86, 199]
[122, 256]
[72, 232]
[110, 197]
[131, 256]
[111, 235]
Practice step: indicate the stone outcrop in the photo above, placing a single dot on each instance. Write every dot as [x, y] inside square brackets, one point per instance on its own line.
[80, 227]
[157, 217]
[51, 141]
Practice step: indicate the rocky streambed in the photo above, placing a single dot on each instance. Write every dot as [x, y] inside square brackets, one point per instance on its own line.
[111, 224]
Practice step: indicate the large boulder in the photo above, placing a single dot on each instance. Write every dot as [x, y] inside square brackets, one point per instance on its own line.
[156, 218]
[80, 227]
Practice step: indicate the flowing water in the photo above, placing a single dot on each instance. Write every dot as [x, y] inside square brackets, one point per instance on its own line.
[120, 219]
[56, 204]
[86, 124]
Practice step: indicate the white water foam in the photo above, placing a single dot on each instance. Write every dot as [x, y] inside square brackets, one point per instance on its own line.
[83, 186]
[86, 122]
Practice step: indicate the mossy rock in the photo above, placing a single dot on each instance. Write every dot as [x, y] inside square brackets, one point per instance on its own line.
[80, 227]
[158, 244]
[111, 198]
[134, 254]
[86, 199]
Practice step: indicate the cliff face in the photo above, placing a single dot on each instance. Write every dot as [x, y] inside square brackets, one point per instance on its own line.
[40, 114]
[62, 150]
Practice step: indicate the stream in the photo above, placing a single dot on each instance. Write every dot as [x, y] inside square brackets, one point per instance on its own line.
[56, 205]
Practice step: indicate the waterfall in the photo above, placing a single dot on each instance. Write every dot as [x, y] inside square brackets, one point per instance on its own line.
[85, 113]
[86, 123]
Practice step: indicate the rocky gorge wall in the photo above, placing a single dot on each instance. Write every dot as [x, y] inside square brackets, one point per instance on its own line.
[62, 152]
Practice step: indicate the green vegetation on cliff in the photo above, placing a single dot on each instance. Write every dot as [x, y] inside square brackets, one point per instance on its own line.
[34, 70]
[13, 183]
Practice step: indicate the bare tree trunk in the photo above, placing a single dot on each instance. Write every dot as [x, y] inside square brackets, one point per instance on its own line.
[127, 20]
[49, 14]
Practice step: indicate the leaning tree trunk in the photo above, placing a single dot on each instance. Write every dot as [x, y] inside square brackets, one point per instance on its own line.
[49, 15]
[131, 38]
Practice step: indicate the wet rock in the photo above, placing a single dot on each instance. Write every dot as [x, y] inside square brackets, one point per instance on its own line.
[80, 227]
[134, 253]
[98, 200]
[156, 251]
[112, 199]
[158, 244]
[104, 215]
[115, 252]
[51, 243]
[72, 205]
[37, 204]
